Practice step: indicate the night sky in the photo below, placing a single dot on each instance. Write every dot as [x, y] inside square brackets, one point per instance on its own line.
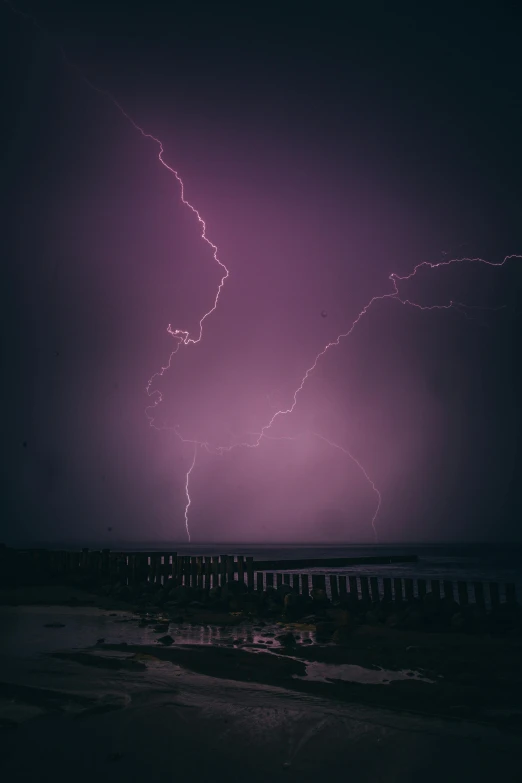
[325, 150]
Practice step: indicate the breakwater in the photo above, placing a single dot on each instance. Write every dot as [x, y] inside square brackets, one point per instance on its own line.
[105, 567]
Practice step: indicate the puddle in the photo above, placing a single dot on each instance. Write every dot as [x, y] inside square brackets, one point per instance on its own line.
[25, 635]
[326, 672]
[24, 632]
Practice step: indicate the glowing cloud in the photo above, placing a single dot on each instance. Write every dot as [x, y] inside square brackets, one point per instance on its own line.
[183, 337]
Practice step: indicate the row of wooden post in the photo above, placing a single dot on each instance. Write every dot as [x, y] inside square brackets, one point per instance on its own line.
[216, 570]
[401, 589]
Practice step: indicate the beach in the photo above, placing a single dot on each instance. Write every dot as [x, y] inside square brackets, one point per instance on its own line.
[99, 690]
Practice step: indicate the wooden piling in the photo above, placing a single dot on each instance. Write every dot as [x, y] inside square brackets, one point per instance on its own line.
[511, 594]
[334, 588]
[157, 559]
[97, 565]
[132, 573]
[387, 590]
[121, 569]
[494, 595]
[478, 588]
[354, 590]
[146, 568]
[374, 587]
[221, 570]
[462, 589]
[449, 591]
[435, 589]
[70, 558]
[365, 589]
[207, 567]
[215, 571]
[199, 561]
[170, 565]
[105, 564]
[408, 590]
[397, 589]
[132, 576]
[207, 572]
[250, 573]
[241, 569]
[174, 569]
[114, 567]
[230, 568]
[164, 560]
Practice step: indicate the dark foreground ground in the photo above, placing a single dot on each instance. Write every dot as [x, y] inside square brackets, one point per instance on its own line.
[103, 693]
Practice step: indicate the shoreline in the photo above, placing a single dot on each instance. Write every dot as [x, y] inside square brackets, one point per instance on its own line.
[449, 674]
[95, 691]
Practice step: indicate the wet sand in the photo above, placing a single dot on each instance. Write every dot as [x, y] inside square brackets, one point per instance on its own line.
[220, 701]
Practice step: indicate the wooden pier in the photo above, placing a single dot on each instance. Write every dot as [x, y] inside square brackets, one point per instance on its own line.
[105, 567]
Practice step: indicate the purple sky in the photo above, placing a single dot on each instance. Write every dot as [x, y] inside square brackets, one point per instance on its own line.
[313, 200]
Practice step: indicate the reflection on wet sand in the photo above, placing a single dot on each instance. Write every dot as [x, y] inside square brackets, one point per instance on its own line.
[215, 701]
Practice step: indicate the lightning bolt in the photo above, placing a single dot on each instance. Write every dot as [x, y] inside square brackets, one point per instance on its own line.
[183, 337]
[365, 474]
[395, 295]
[187, 493]
[334, 446]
